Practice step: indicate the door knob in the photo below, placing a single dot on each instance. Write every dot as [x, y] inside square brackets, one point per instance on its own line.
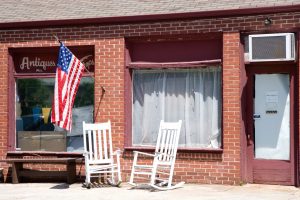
[256, 116]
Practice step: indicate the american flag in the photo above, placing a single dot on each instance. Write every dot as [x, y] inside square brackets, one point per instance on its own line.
[68, 75]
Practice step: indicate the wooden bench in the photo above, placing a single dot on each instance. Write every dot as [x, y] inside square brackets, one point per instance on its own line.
[18, 171]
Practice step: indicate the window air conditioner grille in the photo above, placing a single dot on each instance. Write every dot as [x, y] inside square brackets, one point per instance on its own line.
[269, 47]
[292, 48]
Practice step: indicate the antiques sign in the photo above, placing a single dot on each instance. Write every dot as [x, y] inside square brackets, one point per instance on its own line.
[40, 60]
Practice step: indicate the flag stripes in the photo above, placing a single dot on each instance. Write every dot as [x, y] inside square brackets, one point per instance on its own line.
[68, 75]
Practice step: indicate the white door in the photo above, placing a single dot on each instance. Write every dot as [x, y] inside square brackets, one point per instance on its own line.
[272, 117]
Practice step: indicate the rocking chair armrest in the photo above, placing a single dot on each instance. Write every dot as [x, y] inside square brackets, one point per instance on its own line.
[85, 153]
[143, 153]
[117, 152]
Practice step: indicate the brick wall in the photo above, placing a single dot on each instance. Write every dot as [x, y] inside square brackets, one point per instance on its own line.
[231, 106]
[3, 104]
[109, 40]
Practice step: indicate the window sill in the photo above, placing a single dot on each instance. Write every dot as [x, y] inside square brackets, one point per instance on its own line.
[44, 153]
[183, 150]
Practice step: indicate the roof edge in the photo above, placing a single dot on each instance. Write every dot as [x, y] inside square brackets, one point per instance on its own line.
[152, 17]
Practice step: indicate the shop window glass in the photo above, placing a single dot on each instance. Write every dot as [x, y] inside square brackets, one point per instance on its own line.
[34, 130]
[191, 95]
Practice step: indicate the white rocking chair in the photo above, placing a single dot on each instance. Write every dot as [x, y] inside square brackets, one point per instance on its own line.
[162, 169]
[98, 153]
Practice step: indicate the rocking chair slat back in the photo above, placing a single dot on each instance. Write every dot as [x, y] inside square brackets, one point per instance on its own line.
[167, 141]
[98, 142]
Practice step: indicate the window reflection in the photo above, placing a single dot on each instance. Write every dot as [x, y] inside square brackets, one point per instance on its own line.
[34, 129]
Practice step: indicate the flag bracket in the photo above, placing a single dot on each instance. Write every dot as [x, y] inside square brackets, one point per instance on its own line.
[56, 38]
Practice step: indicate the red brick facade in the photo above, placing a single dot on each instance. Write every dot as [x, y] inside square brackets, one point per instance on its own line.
[109, 42]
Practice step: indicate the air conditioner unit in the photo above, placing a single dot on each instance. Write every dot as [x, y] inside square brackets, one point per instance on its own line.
[272, 47]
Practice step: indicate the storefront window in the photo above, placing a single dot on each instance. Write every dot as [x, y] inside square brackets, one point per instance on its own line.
[191, 95]
[34, 130]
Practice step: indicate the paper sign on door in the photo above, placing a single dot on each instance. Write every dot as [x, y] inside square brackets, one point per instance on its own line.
[271, 102]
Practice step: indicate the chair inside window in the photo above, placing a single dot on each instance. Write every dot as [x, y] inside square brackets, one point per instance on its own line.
[98, 153]
[160, 172]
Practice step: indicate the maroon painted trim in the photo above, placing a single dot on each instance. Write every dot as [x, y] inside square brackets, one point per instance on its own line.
[174, 51]
[268, 31]
[243, 136]
[128, 108]
[127, 99]
[34, 75]
[136, 65]
[292, 126]
[43, 153]
[173, 38]
[296, 127]
[249, 125]
[153, 17]
[180, 149]
[11, 137]
[127, 56]
[296, 118]
[265, 177]
[47, 75]
[271, 63]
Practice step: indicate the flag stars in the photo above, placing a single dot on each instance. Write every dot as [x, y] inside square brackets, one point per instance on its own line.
[65, 57]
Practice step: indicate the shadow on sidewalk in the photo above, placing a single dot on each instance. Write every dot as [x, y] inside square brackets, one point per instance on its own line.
[61, 186]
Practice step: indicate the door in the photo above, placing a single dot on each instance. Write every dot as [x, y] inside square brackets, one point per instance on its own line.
[270, 132]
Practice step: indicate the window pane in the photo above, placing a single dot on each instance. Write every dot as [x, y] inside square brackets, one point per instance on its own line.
[192, 95]
[34, 129]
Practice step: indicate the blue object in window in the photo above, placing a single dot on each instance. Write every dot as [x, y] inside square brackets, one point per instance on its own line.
[36, 114]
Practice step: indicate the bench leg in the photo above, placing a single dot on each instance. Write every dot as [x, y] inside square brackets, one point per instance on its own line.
[16, 168]
[71, 172]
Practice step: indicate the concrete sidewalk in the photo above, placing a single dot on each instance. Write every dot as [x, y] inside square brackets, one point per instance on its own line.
[56, 191]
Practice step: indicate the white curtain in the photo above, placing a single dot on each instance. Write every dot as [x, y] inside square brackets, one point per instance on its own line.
[192, 95]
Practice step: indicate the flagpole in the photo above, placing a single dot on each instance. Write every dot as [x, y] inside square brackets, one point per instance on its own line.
[91, 75]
